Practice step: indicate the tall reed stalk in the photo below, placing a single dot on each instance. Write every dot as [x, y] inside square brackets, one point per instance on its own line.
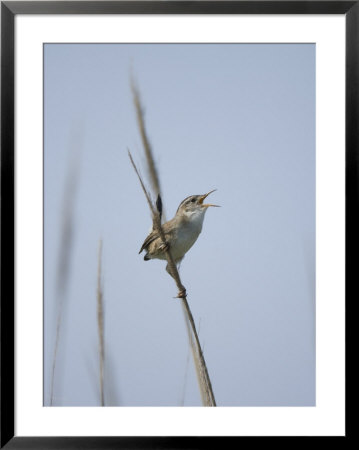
[204, 382]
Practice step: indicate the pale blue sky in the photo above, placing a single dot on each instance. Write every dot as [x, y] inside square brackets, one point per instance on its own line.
[239, 118]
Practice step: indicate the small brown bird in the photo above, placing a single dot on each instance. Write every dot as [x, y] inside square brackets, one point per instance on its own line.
[181, 232]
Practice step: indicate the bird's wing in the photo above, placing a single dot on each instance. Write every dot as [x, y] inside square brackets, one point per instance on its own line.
[150, 238]
[154, 235]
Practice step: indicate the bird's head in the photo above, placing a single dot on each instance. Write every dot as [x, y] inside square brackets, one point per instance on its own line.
[194, 206]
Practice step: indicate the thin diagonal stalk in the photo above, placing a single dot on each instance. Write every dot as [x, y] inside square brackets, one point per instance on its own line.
[183, 396]
[199, 372]
[182, 291]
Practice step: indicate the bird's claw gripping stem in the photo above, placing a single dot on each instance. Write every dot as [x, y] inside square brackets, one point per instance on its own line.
[182, 293]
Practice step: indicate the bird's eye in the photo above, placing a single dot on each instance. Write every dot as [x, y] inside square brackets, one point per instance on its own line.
[193, 200]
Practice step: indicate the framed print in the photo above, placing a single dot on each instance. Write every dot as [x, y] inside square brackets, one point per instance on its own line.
[179, 221]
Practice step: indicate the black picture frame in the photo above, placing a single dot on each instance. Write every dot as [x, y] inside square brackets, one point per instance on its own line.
[9, 9]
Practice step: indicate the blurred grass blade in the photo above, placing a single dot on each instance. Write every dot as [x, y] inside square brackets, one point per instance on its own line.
[100, 323]
[65, 247]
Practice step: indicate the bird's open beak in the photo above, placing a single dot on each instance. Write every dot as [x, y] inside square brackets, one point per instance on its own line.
[206, 205]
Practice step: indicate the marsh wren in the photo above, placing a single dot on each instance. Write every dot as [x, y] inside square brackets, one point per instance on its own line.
[181, 232]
